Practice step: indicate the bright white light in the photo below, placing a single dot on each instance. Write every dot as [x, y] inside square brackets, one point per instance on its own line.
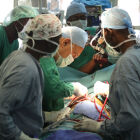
[5, 7]
[133, 8]
[64, 4]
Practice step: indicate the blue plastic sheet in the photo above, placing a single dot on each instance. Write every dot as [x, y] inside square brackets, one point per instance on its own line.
[73, 135]
[69, 74]
[103, 3]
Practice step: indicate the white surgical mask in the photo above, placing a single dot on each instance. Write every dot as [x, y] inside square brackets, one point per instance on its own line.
[25, 45]
[131, 38]
[114, 55]
[79, 23]
[63, 62]
[43, 52]
[111, 51]
[22, 35]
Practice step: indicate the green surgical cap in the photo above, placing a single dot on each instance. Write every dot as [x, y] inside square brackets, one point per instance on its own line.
[20, 12]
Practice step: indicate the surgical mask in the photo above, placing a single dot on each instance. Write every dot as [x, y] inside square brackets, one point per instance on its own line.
[25, 45]
[130, 36]
[111, 51]
[43, 52]
[114, 55]
[63, 62]
[79, 23]
[22, 35]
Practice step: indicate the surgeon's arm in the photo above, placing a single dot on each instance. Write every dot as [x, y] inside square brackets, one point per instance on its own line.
[59, 88]
[88, 68]
[13, 96]
[97, 61]
[127, 91]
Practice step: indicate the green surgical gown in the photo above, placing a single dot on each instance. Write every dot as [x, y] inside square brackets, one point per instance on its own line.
[54, 89]
[5, 47]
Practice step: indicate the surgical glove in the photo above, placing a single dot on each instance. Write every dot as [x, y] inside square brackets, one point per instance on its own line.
[54, 116]
[23, 136]
[101, 88]
[88, 125]
[79, 89]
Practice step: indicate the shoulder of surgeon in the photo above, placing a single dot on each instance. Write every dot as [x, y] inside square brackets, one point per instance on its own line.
[20, 61]
[132, 52]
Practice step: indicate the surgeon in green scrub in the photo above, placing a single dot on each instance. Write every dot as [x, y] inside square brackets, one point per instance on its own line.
[71, 45]
[76, 15]
[12, 25]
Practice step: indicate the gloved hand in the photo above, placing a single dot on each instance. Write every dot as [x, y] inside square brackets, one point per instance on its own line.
[23, 136]
[54, 116]
[79, 89]
[101, 88]
[88, 125]
[99, 59]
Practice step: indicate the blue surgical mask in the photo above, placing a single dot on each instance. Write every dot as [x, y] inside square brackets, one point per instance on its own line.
[113, 55]
[79, 23]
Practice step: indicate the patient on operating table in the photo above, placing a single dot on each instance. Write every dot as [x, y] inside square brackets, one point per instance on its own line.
[94, 106]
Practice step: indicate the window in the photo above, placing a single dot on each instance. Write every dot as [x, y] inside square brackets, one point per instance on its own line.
[5, 7]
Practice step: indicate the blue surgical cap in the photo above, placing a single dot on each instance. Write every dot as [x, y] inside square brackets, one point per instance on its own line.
[75, 8]
[116, 18]
[77, 35]
[20, 12]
